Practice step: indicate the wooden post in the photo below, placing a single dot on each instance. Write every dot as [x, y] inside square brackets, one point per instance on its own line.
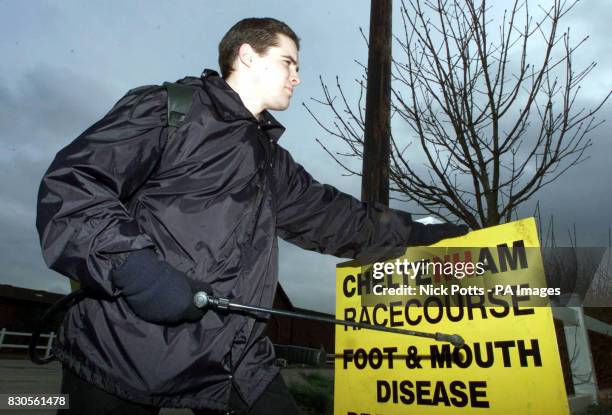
[375, 179]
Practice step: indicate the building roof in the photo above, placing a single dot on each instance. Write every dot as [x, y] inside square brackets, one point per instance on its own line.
[26, 294]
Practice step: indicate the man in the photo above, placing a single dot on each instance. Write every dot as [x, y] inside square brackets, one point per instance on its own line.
[142, 216]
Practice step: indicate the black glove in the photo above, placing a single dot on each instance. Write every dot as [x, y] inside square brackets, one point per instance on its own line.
[155, 291]
[430, 234]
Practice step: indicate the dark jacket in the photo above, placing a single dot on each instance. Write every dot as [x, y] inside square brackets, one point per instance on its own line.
[211, 201]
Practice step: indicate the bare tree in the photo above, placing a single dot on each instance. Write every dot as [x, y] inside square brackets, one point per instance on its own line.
[492, 127]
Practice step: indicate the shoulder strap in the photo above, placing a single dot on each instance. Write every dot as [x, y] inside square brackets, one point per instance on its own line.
[180, 98]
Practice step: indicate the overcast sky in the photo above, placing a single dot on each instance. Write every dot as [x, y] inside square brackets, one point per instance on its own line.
[65, 63]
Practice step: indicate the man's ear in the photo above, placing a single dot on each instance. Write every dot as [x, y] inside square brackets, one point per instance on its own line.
[245, 55]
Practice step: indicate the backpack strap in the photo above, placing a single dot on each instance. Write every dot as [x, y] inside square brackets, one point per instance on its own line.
[180, 98]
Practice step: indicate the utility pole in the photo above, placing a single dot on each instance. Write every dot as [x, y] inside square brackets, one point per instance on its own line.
[376, 147]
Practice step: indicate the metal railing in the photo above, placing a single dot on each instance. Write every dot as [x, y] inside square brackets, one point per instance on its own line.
[576, 326]
[47, 348]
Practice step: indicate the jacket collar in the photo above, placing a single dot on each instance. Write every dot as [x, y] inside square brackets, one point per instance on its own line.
[229, 106]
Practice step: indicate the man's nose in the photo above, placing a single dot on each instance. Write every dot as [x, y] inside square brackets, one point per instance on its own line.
[295, 79]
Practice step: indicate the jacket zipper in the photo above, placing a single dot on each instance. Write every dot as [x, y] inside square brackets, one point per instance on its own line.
[268, 145]
[258, 200]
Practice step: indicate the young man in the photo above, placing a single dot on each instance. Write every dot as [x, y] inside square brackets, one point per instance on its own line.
[142, 216]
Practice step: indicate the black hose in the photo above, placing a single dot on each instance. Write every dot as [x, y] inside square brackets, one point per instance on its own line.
[64, 303]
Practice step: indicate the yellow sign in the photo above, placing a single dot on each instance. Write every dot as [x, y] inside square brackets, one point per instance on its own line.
[489, 288]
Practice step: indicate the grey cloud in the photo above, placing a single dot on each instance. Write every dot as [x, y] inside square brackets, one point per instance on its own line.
[308, 278]
[22, 264]
[49, 106]
[21, 192]
[41, 112]
[20, 255]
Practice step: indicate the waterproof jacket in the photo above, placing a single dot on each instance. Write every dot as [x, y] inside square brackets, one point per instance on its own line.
[210, 198]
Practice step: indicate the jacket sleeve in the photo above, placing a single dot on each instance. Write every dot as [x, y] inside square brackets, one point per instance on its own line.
[83, 225]
[320, 218]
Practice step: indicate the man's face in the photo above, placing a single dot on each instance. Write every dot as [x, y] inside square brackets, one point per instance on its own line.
[276, 74]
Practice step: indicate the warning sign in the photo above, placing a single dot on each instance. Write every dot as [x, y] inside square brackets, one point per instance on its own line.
[489, 287]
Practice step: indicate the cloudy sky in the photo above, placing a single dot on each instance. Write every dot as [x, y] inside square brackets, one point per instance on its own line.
[64, 64]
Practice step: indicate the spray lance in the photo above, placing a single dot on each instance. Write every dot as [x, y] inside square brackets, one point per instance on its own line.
[202, 299]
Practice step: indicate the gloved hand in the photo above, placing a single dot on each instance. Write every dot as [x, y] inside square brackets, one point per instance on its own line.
[430, 234]
[155, 291]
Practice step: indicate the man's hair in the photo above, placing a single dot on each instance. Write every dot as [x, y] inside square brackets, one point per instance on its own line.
[260, 33]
